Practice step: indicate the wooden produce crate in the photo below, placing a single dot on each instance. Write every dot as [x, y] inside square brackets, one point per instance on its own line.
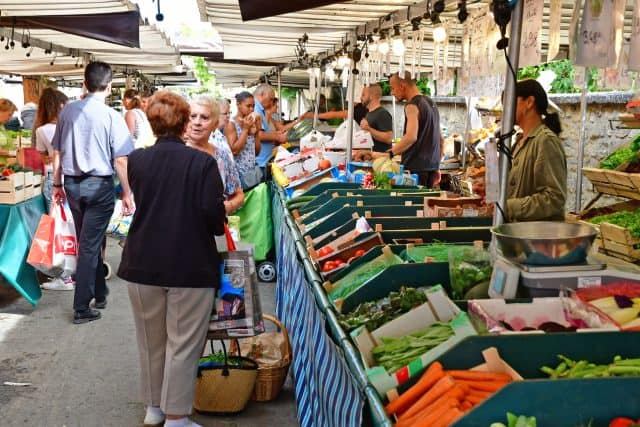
[618, 242]
[12, 189]
[615, 183]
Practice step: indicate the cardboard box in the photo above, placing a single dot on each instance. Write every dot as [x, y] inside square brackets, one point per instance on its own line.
[438, 308]
[12, 189]
[493, 312]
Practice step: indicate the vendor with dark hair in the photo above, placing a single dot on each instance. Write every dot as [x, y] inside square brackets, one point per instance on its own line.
[537, 184]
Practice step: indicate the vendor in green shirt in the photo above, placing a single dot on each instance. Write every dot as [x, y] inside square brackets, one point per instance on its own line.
[537, 184]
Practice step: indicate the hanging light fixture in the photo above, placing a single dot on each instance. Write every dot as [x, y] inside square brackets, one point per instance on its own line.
[397, 44]
[344, 61]
[383, 47]
[439, 34]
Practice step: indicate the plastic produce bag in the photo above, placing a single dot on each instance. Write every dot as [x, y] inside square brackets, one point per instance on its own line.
[119, 224]
[470, 272]
[54, 249]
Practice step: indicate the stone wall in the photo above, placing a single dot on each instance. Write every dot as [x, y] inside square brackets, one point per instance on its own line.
[604, 133]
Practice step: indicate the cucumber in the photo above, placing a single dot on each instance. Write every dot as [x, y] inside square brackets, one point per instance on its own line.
[299, 200]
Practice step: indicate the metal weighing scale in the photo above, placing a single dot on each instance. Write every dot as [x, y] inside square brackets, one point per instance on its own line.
[547, 280]
[538, 259]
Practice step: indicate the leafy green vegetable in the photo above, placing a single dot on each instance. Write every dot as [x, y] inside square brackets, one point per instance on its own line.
[374, 314]
[438, 251]
[628, 154]
[358, 277]
[468, 269]
[382, 181]
[626, 219]
[394, 353]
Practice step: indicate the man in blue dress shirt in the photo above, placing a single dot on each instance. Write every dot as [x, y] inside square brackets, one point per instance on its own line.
[264, 97]
[91, 142]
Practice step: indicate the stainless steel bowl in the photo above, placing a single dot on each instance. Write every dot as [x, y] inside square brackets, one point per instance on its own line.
[544, 242]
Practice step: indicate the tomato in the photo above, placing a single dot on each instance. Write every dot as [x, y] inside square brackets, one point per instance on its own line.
[359, 253]
[350, 259]
[324, 251]
[622, 422]
[329, 265]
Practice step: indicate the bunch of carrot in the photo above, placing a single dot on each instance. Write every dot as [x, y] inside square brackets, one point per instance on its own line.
[440, 397]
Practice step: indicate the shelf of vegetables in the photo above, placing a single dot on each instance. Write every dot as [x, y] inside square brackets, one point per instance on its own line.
[378, 310]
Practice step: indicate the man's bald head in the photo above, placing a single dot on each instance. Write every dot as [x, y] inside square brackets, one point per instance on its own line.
[375, 91]
[401, 85]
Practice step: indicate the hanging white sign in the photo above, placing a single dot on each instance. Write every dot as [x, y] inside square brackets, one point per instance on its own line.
[531, 44]
[634, 45]
[597, 35]
[555, 14]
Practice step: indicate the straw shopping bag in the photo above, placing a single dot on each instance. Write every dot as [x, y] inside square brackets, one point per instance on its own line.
[225, 388]
[272, 351]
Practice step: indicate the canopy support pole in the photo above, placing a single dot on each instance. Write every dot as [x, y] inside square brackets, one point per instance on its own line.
[279, 94]
[467, 128]
[317, 109]
[350, 98]
[509, 106]
[583, 135]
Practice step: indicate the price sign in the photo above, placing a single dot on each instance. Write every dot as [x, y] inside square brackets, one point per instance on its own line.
[596, 35]
[531, 44]
[634, 45]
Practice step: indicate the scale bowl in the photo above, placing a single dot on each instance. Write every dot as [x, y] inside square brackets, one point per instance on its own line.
[544, 242]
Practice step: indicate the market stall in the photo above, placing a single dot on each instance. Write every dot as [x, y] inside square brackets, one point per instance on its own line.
[360, 253]
[18, 224]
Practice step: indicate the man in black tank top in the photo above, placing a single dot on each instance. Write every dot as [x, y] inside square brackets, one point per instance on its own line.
[421, 144]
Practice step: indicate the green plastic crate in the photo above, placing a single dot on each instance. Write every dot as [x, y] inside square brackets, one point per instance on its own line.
[338, 202]
[449, 235]
[344, 214]
[560, 403]
[329, 194]
[394, 277]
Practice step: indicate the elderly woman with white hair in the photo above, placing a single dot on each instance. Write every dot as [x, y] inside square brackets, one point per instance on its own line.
[204, 118]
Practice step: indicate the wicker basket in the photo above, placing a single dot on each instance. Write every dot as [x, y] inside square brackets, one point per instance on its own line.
[271, 378]
[225, 389]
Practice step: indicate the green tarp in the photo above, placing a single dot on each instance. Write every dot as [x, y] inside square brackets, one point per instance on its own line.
[18, 224]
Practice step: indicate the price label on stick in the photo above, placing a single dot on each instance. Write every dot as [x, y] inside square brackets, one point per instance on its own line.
[634, 45]
[596, 36]
[531, 44]
[554, 29]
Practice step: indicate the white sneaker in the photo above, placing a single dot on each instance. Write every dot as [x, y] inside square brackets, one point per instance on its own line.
[154, 417]
[57, 284]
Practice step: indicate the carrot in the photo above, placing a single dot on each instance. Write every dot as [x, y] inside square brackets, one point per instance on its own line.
[478, 393]
[476, 399]
[448, 418]
[484, 385]
[466, 405]
[478, 375]
[448, 402]
[443, 385]
[430, 418]
[431, 376]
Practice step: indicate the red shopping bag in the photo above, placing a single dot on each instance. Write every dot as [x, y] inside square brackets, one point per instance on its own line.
[41, 252]
[54, 248]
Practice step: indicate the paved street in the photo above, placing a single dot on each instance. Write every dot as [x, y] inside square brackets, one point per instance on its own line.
[87, 375]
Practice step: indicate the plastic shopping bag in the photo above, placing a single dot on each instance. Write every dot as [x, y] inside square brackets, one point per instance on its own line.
[65, 243]
[41, 252]
[119, 223]
[54, 249]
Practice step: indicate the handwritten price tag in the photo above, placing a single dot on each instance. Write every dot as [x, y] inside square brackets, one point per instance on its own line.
[596, 35]
[634, 45]
[530, 45]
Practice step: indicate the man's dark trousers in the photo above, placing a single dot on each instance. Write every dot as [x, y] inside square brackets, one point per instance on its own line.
[91, 199]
